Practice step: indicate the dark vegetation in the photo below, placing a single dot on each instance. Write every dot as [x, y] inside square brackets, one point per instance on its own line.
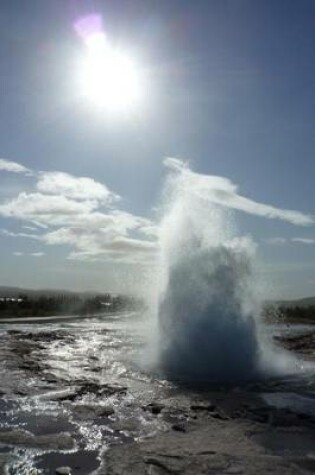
[24, 305]
[290, 313]
[16, 302]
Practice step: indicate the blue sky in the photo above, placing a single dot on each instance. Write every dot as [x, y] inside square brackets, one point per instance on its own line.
[229, 85]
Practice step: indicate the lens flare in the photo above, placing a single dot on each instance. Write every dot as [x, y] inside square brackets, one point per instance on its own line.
[107, 77]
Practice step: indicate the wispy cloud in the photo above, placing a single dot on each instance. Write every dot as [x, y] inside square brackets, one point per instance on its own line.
[30, 254]
[222, 191]
[13, 167]
[302, 240]
[299, 240]
[6, 232]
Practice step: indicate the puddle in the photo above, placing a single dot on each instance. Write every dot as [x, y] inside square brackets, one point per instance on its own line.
[81, 462]
[295, 402]
[43, 425]
[284, 442]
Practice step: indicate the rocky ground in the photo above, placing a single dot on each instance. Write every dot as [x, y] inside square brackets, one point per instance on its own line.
[303, 344]
[225, 432]
[83, 426]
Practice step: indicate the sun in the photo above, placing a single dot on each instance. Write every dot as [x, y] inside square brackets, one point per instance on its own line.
[107, 77]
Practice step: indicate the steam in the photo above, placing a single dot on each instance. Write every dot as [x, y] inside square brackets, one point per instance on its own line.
[208, 309]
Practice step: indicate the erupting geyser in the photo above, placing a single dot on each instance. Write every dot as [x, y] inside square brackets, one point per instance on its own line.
[208, 314]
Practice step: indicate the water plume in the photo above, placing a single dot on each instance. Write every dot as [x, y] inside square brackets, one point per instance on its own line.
[208, 310]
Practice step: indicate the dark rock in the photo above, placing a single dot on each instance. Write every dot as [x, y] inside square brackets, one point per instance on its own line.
[203, 407]
[179, 427]
[91, 411]
[218, 415]
[154, 407]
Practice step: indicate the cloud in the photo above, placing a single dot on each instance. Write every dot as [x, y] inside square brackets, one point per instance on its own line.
[7, 233]
[13, 167]
[76, 188]
[80, 225]
[82, 214]
[45, 209]
[67, 210]
[150, 230]
[30, 254]
[303, 240]
[222, 191]
[299, 240]
[110, 243]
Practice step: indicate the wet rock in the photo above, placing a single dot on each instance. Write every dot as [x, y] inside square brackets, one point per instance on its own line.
[89, 411]
[301, 343]
[60, 395]
[129, 424]
[63, 471]
[220, 416]
[154, 407]
[203, 407]
[86, 387]
[20, 437]
[179, 427]
[4, 461]
[216, 448]
[234, 469]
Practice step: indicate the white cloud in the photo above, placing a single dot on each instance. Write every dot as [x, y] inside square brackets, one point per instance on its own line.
[299, 240]
[303, 240]
[150, 230]
[69, 211]
[7, 233]
[78, 224]
[13, 167]
[222, 191]
[31, 254]
[76, 188]
[45, 209]
[99, 243]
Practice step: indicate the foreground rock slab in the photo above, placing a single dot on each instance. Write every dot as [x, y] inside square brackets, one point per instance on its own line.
[218, 447]
[23, 438]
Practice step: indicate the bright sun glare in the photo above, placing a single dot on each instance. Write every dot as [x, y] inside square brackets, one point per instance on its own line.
[107, 77]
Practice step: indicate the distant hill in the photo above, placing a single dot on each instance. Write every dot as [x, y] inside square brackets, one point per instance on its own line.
[13, 292]
[302, 303]
[7, 291]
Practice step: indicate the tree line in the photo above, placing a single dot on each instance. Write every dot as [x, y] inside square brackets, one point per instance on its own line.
[289, 314]
[43, 306]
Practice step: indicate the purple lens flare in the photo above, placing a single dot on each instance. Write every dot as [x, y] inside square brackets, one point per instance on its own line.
[89, 25]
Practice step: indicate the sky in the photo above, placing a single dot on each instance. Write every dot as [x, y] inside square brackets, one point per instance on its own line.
[227, 85]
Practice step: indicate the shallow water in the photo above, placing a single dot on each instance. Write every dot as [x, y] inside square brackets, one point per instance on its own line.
[81, 377]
